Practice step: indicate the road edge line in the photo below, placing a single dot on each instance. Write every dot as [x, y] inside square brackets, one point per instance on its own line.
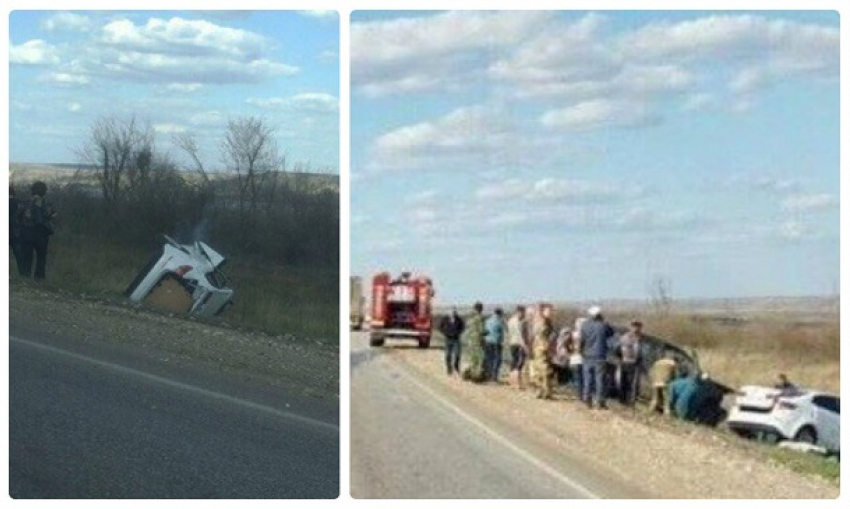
[524, 454]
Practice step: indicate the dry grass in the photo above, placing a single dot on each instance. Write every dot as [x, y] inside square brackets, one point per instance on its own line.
[302, 301]
[750, 348]
[753, 351]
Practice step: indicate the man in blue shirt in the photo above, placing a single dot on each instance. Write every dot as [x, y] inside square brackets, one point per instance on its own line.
[594, 336]
[493, 341]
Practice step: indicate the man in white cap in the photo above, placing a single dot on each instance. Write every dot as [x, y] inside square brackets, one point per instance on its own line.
[595, 334]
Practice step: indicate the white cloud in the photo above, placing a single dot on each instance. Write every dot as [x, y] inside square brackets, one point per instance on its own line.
[506, 189]
[329, 55]
[210, 118]
[67, 21]
[319, 14]
[597, 114]
[309, 101]
[185, 54]
[764, 50]
[167, 128]
[34, 52]
[426, 197]
[767, 183]
[64, 78]
[462, 131]
[432, 52]
[792, 230]
[557, 189]
[698, 102]
[185, 87]
[179, 36]
[74, 107]
[810, 202]
[539, 56]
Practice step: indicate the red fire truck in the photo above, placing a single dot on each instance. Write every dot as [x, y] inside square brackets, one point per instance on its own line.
[401, 308]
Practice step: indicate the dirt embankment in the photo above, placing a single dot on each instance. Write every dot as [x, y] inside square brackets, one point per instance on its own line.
[670, 459]
[311, 366]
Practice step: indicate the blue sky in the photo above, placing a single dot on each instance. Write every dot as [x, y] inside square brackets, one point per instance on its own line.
[583, 155]
[178, 71]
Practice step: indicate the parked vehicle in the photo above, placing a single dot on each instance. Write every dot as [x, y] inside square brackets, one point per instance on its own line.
[183, 279]
[800, 415]
[401, 308]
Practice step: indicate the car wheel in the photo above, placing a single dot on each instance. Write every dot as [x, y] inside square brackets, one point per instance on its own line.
[807, 435]
[376, 340]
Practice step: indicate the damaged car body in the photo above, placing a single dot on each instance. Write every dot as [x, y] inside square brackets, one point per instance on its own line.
[183, 279]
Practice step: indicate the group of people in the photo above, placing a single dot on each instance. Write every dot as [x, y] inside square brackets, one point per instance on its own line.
[588, 356]
[31, 223]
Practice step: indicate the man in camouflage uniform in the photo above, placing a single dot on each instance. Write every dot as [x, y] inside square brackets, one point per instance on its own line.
[541, 361]
[474, 338]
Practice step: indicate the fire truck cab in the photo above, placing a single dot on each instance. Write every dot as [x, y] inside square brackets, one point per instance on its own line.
[401, 308]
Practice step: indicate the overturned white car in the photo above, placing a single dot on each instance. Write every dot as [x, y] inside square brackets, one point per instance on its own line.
[183, 279]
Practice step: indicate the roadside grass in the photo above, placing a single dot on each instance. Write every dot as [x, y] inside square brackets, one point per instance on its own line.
[754, 351]
[749, 351]
[276, 300]
[807, 463]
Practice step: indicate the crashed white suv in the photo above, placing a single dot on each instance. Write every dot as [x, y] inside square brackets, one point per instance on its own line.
[798, 414]
[183, 279]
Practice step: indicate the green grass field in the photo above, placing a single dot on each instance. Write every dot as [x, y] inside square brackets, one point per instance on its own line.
[277, 300]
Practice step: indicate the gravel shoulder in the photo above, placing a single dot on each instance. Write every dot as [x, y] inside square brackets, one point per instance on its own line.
[668, 459]
[307, 367]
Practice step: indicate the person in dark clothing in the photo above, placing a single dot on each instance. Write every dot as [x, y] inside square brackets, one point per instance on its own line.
[595, 336]
[629, 355]
[451, 327]
[709, 403]
[14, 226]
[36, 220]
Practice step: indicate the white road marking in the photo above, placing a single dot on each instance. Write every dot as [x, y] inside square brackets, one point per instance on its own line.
[182, 386]
[502, 440]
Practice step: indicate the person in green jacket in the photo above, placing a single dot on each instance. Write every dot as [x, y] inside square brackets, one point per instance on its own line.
[684, 392]
[473, 338]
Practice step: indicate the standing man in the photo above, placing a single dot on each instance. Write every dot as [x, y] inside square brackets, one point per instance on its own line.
[494, 340]
[576, 360]
[36, 227]
[628, 351]
[518, 343]
[474, 338]
[561, 356]
[15, 227]
[451, 327]
[542, 370]
[595, 333]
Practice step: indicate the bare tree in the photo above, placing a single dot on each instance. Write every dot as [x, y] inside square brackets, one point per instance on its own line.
[187, 143]
[249, 151]
[660, 296]
[122, 154]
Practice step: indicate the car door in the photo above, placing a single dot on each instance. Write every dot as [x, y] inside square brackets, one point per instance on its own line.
[827, 421]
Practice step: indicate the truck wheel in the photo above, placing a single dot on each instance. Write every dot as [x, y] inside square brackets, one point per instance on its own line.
[425, 342]
[375, 340]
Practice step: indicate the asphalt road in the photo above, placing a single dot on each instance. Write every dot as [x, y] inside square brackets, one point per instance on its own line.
[90, 420]
[409, 439]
